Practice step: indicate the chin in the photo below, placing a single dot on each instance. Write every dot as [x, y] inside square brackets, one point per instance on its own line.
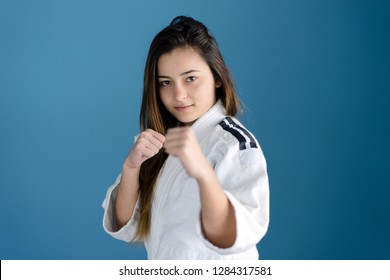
[186, 121]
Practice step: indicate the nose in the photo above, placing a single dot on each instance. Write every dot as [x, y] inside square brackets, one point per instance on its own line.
[180, 92]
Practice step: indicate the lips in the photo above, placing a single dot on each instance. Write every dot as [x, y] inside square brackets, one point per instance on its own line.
[183, 108]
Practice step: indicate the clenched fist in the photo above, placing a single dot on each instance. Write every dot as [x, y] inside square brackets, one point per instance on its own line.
[147, 145]
[181, 142]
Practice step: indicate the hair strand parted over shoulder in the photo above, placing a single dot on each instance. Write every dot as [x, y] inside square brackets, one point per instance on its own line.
[182, 32]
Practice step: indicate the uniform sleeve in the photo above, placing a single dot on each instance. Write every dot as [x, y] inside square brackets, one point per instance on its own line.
[243, 176]
[126, 233]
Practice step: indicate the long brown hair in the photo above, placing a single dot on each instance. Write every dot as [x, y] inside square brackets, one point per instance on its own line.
[182, 32]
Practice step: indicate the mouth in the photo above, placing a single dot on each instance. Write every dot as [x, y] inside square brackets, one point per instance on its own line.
[183, 108]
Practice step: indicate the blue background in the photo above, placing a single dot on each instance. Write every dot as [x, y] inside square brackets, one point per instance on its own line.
[313, 75]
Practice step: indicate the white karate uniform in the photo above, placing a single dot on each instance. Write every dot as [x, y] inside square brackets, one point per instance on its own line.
[240, 167]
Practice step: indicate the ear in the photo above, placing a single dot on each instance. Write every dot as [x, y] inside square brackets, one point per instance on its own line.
[218, 83]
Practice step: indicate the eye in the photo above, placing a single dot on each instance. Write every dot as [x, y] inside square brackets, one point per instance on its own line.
[164, 83]
[191, 79]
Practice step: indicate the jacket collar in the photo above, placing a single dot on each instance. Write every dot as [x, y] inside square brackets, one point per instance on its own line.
[208, 121]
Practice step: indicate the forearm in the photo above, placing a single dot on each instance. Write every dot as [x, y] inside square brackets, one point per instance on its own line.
[217, 213]
[127, 195]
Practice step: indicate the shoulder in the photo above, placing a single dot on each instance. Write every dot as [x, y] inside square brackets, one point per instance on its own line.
[233, 129]
[234, 140]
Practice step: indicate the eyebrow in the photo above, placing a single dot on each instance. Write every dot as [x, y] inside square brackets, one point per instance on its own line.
[182, 74]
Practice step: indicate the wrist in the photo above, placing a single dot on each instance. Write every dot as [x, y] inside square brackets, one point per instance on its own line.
[126, 168]
[206, 175]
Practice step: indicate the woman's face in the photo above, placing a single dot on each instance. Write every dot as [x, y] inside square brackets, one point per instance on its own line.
[186, 84]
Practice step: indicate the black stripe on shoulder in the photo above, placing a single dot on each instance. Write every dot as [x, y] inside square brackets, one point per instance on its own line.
[242, 135]
[252, 141]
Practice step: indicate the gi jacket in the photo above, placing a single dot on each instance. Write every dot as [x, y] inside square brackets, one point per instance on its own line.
[240, 167]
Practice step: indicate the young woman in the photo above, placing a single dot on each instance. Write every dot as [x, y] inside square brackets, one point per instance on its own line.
[194, 185]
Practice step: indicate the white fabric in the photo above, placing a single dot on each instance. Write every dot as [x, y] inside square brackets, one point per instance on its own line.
[175, 225]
